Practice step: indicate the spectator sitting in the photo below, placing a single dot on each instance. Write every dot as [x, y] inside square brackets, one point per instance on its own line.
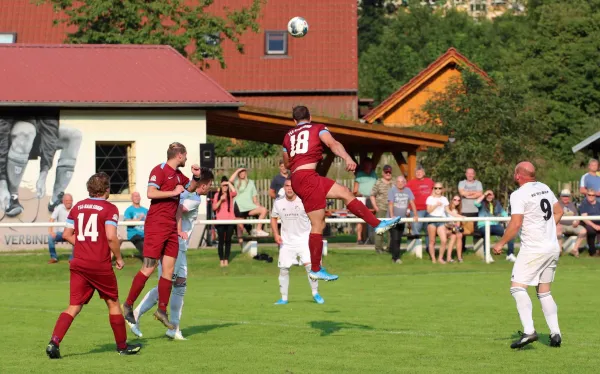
[438, 207]
[278, 181]
[379, 201]
[422, 188]
[363, 185]
[590, 179]
[399, 199]
[223, 206]
[490, 207]
[469, 190]
[591, 207]
[246, 202]
[55, 234]
[136, 212]
[569, 228]
[455, 230]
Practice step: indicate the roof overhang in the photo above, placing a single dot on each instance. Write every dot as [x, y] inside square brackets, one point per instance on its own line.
[118, 105]
[592, 142]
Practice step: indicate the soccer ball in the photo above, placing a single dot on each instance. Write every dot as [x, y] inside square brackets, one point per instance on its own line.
[297, 27]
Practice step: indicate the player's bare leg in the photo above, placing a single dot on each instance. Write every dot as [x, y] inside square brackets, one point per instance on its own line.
[60, 330]
[550, 312]
[165, 285]
[117, 323]
[179, 289]
[139, 281]
[525, 309]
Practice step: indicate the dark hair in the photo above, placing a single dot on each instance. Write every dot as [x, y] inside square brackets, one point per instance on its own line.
[301, 113]
[206, 176]
[485, 205]
[223, 179]
[175, 149]
[98, 184]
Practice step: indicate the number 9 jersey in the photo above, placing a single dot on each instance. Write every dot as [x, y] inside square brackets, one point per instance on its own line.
[303, 144]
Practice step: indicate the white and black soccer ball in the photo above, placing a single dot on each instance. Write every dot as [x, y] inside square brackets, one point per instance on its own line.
[297, 27]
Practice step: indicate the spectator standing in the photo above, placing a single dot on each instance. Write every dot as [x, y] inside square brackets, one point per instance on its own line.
[246, 202]
[136, 212]
[438, 207]
[591, 207]
[399, 199]
[223, 207]
[455, 230]
[278, 181]
[469, 190]
[363, 186]
[490, 207]
[591, 179]
[55, 234]
[422, 188]
[569, 228]
[379, 201]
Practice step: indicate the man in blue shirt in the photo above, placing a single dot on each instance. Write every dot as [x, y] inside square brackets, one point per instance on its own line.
[591, 207]
[136, 212]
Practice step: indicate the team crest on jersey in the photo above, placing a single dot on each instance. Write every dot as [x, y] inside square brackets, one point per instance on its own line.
[153, 178]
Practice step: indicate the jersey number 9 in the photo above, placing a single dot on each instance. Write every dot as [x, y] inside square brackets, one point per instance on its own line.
[546, 208]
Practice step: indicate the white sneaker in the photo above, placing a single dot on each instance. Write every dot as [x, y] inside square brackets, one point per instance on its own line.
[175, 335]
[261, 233]
[511, 257]
[135, 329]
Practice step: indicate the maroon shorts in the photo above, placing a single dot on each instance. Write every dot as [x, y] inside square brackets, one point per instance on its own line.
[84, 283]
[157, 244]
[311, 188]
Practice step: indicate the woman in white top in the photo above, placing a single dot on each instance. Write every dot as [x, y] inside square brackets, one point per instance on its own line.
[438, 206]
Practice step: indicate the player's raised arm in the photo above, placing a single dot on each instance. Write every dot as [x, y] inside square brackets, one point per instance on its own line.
[338, 149]
[196, 176]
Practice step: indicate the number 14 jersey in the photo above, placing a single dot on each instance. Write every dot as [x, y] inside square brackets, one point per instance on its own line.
[303, 144]
[88, 219]
[536, 202]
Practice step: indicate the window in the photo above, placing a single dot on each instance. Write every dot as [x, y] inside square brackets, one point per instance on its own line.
[478, 7]
[276, 42]
[117, 159]
[8, 37]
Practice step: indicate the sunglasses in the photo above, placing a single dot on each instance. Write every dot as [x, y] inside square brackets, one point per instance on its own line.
[387, 172]
[437, 188]
[455, 199]
[591, 194]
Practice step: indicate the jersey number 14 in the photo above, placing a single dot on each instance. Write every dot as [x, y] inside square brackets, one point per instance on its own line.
[299, 143]
[90, 229]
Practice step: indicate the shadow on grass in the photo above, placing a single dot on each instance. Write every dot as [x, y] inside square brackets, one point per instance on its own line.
[109, 347]
[330, 327]
[203, 329]
[542, 339]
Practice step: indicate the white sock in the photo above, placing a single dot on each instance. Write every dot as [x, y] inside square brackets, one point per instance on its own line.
[550, 311]
[284, 282]
[177, 304]
[314, 284]
[149, 300]
[524, 307]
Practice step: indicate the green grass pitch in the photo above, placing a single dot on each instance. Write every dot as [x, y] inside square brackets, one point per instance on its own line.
[377, 318]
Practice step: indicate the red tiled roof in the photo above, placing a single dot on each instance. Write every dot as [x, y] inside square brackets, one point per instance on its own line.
[452, 56]
[104, 75]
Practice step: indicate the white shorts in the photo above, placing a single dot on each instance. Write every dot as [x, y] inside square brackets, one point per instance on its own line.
[288, 256]
[534, 268]
[180, 270]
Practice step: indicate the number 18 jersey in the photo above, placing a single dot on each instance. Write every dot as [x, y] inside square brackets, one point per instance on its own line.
[303, 144]
[536, 202]
[88, 219]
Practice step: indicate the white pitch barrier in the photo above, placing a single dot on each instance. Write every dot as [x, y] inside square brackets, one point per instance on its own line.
[251, 248]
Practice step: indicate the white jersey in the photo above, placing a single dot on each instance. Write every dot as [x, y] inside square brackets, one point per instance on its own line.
[190, 201]
[536, 202]
[295, 225]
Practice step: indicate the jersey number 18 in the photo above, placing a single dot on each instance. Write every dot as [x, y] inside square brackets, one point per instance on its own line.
[299, 144]
[90, 229]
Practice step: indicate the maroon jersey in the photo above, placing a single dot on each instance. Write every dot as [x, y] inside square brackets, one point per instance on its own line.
[162, 212]
[303, 144]
[89, 218]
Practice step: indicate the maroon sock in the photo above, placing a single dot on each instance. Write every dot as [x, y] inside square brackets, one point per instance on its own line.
[315, 245]
[137, 286]
[164, 293]
[117, 322]
[62, 326]
[361, 211]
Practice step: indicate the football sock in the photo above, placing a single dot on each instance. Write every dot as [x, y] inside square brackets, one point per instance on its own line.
[315, 244]
[62, 326]
[164, 293]
[139, 281]
[550, 311]
[284, 282]
[524, 307]
[117, 323]
[177, 303]
[314, 284]
[361, 211]
[15, 168]
[149, 300]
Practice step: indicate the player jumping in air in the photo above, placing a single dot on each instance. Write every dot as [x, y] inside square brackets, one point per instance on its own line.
[536, 212]
[160, 230]
[302, 151]
[188, 212]
[92, 230]
[293, 241]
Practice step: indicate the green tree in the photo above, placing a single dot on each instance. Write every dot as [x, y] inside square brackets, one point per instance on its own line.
[224, 147]
[372, 20]
[190, 27]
